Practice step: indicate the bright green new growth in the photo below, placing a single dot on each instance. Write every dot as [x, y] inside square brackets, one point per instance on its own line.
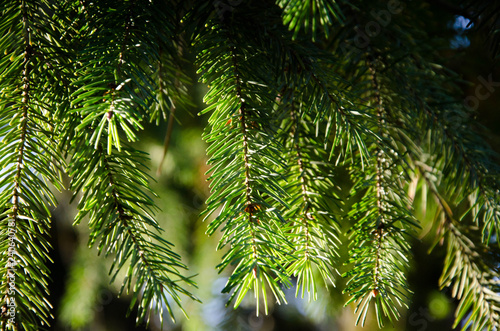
[312, 146]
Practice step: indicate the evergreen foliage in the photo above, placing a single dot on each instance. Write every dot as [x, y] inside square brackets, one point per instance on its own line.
[325, 118]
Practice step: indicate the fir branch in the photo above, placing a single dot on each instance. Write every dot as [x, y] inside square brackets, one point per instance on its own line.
[313, 195]
[465, 159]
[78, 77]
[241, 153]
[121, 221]
[379, 249]
[479, 175]
[350, 125]
[28, 160]
[115, 88]
[473, 278]
[311, 16]
[475, 281]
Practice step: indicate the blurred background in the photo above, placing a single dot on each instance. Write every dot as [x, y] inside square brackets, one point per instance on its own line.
[84, 300]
